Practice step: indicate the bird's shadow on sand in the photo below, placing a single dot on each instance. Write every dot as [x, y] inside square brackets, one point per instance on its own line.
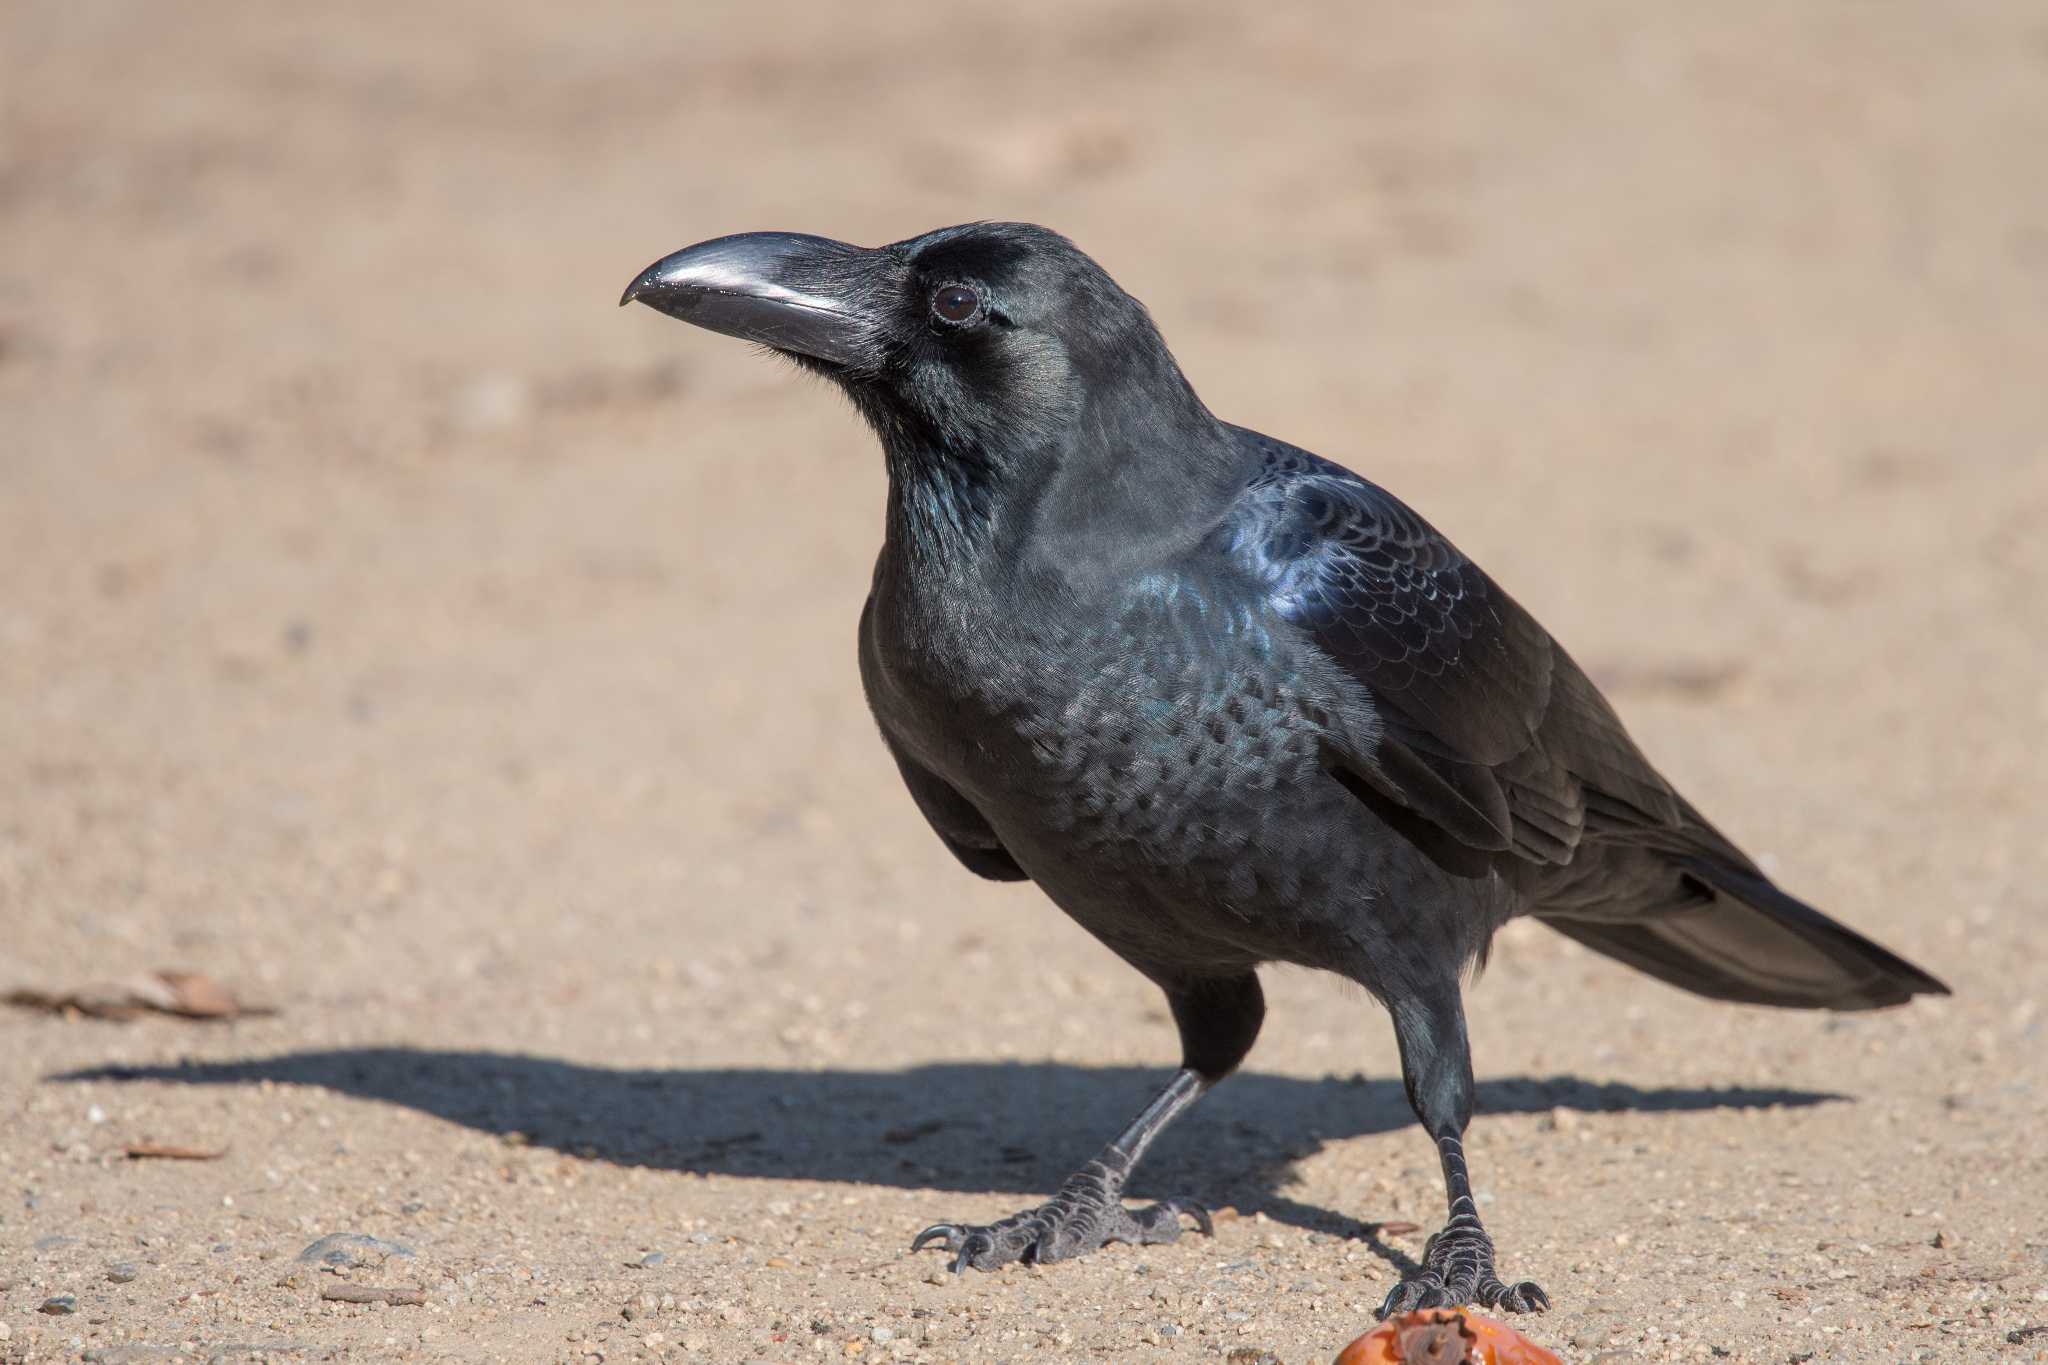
[1012, 1128]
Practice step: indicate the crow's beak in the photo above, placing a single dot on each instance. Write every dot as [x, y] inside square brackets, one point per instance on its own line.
[782, 289]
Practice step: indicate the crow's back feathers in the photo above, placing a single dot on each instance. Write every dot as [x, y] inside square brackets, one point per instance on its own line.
[1489, 729]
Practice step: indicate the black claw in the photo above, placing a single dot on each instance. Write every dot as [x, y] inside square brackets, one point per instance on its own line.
[949, 1233]
[1189, 1208]
[1077, 1220]
[1422, 1291]
[1457, 1269]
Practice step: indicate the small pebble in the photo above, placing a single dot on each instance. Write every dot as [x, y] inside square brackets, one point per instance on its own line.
[124, 1272]
[60, 1304]
[882, 1336]
[351, 1249]
[653, 1259]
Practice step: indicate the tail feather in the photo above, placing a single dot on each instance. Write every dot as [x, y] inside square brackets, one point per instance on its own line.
[1750, 942]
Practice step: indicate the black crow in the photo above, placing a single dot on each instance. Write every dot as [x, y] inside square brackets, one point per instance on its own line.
[1228, 703]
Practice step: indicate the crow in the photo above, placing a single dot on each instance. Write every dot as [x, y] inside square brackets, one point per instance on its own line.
[1227, 703]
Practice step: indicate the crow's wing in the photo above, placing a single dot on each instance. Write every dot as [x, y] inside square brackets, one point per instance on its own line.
[1490, 731]
[960, 827]
[1492, 736]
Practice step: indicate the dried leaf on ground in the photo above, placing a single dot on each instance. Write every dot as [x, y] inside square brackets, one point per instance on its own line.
[362, 1293]
[187, 995]
[164, 1151]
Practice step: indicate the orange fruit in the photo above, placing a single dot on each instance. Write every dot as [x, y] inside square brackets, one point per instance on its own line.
[1434, 1336]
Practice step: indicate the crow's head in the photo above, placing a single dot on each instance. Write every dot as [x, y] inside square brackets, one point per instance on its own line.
[984, 340]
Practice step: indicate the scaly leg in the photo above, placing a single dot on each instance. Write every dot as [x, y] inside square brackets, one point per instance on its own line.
[1218, 1021]
[1436, 1067]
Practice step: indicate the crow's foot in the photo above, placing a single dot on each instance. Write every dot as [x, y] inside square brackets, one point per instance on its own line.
[1087, 1213]
[1457, 1269]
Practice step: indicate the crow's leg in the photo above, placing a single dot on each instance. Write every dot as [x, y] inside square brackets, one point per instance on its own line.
[1218, 1020]
[1436, 1067]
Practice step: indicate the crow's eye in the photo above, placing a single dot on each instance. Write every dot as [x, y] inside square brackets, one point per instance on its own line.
[955, 303]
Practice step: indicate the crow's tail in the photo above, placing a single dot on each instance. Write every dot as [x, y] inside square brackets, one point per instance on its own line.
[1743, 939]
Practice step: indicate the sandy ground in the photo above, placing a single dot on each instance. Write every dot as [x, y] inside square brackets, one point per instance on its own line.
[395, 630]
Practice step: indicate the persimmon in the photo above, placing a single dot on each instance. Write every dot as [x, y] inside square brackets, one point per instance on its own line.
[1435, 1337]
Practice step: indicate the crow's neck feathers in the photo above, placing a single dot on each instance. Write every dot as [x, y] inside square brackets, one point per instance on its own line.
[1101, 454]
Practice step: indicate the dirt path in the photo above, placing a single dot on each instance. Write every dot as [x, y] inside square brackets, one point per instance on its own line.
[393, 629]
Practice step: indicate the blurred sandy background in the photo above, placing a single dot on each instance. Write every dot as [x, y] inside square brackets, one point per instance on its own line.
[394, 629]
